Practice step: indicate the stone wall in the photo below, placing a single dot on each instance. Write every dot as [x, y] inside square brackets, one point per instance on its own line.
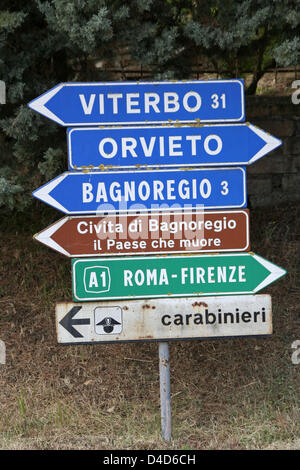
[275, 178]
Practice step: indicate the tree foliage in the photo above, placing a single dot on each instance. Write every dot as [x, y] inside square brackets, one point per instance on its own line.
[43, 43]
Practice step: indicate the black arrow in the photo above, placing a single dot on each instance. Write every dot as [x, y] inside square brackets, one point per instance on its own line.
[68, 321]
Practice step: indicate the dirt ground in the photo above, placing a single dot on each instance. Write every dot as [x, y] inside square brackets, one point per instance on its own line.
[240, 393]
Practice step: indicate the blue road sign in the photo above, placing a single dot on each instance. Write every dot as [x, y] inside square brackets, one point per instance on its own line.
[160, 190]
[152, 146]
[81, 104]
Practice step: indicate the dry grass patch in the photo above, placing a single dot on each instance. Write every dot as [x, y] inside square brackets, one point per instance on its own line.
[240, 393]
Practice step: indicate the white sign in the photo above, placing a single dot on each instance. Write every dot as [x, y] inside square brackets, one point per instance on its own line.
[164, 319]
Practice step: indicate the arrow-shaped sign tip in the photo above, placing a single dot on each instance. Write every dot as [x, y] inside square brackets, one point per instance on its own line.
[45, 237]
[275, 272]
[40, 104]
[43, 193]
[271, 143]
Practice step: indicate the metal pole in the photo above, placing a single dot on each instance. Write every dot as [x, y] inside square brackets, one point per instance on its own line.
[165, 391]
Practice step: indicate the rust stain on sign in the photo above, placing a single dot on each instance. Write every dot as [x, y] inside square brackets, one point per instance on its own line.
[163, 319]
[200, 304]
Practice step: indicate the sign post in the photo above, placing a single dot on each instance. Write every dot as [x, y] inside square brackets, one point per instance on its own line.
[161, 174]
[165, 390]
[164, 320]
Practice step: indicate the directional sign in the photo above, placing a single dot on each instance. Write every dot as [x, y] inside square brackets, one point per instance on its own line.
[129, 191]
[140, 234]
[171, 276]
[75, 104]
[164, 319]
[68, 322]
[198, 145]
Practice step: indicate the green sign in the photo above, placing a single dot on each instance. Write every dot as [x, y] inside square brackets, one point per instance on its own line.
[176, 276]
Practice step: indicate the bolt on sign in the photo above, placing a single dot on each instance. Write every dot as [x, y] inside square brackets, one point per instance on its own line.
[164, 319]
[149, 233]
[171, 276]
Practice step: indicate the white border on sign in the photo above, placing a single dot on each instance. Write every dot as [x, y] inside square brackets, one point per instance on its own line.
[275, 273]
[38, 104]
[42, 193]
[44, 236]
[270, 144]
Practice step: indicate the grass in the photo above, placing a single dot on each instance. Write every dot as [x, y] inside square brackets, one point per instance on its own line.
[240, 393]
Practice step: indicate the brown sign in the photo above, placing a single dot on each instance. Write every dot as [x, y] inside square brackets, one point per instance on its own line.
[134, 234]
